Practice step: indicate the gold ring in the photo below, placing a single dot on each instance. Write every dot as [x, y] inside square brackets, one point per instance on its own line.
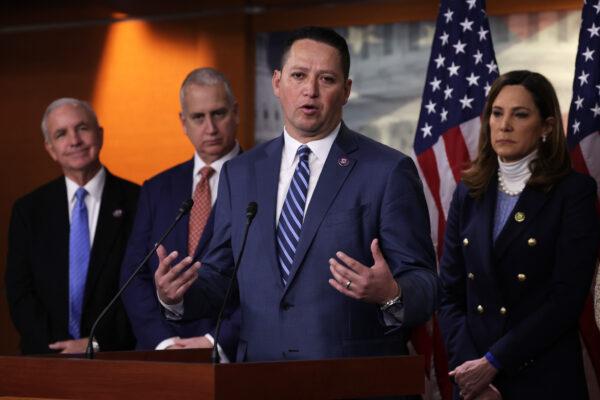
[348, 284]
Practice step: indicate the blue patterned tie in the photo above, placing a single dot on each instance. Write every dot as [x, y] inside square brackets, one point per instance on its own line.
[292, 214]
[79, 257]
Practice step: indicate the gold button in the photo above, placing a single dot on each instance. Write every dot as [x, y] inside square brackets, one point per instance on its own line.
[480, 309]
[531, 242]
[502, 310]
[521, 277]
[471, 275]
[465, 242]
[520, 216]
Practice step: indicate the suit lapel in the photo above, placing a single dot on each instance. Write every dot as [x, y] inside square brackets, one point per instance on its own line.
[267, 168]
[58, 241]
[181, 190]
[529, 204]
[484, 220]
[110, 219]
[331, 180]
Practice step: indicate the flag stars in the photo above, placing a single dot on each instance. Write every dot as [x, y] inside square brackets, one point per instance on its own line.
[467, 25]
[575, 126]
[448, 92]
[482, 34]
[579, 102]
[478, 57]
[595, 110]
[453, 69]
[430, 107]
[583, 78]
[594, 30]
[487, 88]
[435, 84]
[466, 102]
[588, 54]
[426, 130]
[472, 79]
[439, 61]
[492, 67]
[444, 115]
[444, 38]
[597, 7]
[471, 3]
[598, 87]
[459, 47]
[448, 14]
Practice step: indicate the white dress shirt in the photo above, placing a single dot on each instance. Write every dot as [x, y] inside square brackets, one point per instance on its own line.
[92, 201]
[319, 150]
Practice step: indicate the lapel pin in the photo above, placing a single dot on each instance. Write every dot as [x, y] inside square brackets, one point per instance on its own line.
[520, 216]
[118, 213]
[343, 161]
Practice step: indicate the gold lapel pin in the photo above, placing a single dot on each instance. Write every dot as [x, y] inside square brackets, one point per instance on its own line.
[520, 216]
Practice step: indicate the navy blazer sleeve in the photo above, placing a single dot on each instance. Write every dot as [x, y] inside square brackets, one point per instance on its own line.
[141, 303]
[406, 243]
[28, 312]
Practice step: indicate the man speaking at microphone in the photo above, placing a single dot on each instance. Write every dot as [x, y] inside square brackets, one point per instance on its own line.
[338, 261]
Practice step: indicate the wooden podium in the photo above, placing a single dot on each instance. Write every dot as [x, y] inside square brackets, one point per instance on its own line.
[188, 374]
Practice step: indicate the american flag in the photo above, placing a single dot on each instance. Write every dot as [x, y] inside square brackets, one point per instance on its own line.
[583, 138]
[462, 67]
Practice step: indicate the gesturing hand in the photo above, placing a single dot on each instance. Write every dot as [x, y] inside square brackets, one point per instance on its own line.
[373, 285]
[173, 281]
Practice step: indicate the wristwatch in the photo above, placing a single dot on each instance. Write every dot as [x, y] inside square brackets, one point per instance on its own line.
[395, 301]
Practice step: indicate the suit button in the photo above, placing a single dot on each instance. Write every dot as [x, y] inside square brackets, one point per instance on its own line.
[480, 309]
[471, 276]
[465, 242]
[521, 277]
[531, 242]
[502, 310]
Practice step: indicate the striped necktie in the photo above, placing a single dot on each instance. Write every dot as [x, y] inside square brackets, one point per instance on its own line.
[79, 258]
[292, 214]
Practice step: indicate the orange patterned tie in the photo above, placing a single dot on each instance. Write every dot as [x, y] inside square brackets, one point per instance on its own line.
[200, 210]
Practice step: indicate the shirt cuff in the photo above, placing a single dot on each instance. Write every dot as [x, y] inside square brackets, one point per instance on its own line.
[173, 312]
[166, 343]
[222, 355]
[492, 360]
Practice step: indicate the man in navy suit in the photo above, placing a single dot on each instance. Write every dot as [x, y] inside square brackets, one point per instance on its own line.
[339, 261]
[66, 242]
[209, 117]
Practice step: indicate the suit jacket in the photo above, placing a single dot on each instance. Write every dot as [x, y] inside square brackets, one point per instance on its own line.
[365, 191]
[37, 269]
[520, 297]
[160, 199]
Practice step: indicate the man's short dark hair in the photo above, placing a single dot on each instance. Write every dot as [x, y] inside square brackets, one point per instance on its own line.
[322, 35]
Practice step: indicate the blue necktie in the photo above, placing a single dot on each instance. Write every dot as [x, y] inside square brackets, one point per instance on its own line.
[292, 214]
[79, 257]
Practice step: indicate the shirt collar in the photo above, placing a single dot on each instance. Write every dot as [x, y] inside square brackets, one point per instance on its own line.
[94, 187]
[218, 164]
[320, 148]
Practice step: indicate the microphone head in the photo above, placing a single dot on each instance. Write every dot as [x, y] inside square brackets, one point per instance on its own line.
[251, 210]
[186, 206]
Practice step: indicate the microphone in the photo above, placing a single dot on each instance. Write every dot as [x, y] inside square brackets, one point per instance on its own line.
[251, 210]
[185, 207]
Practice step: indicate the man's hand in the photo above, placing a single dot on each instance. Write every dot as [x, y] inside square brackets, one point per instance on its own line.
[73, 346]
[173, 282]
[473, 376]
[489, 393]
[198, 342]
[373, 285]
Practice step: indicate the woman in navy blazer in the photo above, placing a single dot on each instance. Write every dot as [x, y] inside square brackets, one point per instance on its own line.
[519, 253]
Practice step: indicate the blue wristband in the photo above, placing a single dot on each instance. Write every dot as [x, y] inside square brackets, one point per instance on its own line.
[492, 360]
